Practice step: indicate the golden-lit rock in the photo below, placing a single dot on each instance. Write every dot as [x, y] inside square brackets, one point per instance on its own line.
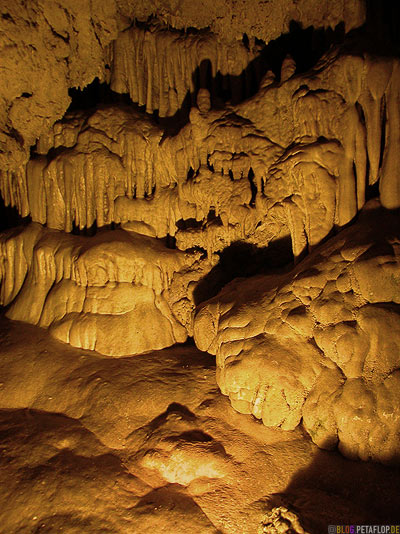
[198, 169]
[328, 357]
[96, 292]
[92, 444]
[50, 47]
[281, 520]
[290, 160]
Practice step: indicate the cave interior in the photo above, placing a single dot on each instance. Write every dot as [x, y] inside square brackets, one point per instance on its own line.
[199, 267]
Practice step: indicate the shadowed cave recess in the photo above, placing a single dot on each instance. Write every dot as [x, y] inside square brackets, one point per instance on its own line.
[199, 267]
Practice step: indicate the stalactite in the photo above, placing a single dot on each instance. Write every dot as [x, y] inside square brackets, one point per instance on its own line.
[389, 185]
[160, 73]
[331, 129]
[14, 190]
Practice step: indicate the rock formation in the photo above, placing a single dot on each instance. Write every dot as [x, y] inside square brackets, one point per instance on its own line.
[222, 171]
[318, 344]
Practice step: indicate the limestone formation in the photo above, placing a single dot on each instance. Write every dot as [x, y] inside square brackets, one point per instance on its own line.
[49, 47]
[318, 344]
[96, 292]
[200, 266]
[296, 159]
[115, 165]
[281, 520]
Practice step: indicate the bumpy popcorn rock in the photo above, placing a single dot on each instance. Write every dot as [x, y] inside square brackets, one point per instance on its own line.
[280, 520]
[319, 344]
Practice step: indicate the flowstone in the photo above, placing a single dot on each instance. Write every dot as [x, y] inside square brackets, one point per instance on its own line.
[319, 344]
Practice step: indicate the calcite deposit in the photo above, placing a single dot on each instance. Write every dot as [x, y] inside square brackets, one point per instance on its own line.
[199, 266]
[320, 343]
[294, 160]
[94, 293]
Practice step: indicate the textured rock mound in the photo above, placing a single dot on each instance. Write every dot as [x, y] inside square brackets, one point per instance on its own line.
[80, 485]
[96, 445]
[280, 520]
[320, 343]
[113, 293]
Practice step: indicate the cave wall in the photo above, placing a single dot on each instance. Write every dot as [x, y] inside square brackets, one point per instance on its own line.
[155, 152]
[49, 47]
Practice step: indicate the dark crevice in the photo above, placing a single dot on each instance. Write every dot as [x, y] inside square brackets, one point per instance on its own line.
[253, 187]
[194, 224]
[367, 173]
[262, 185]
[383, 26]
[33, 151]
[189, 224]
[197, 249]
[353, 324]
[17, 136]
[90, 231]
[355, 176]
[192, 436]
[149, 196]
[62, 37]
[170, 241]
[360, 112]
[190, 173]
[152, 23]
[245, 41]
[212, 218]
[205, 74]
[306, 46]
[94, 95]
[209, 165]
[242, 260]
[53, 153]
[383, 131]
[10, 217]
[372, 191]
[173, 124]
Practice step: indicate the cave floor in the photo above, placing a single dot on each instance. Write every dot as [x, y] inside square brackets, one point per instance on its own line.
[92, 444]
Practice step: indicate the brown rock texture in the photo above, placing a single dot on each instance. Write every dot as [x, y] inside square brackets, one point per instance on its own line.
[297, 170]
[96, 444]
[180, 178]
[320, 343]
[49, 47]
[296, 160]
